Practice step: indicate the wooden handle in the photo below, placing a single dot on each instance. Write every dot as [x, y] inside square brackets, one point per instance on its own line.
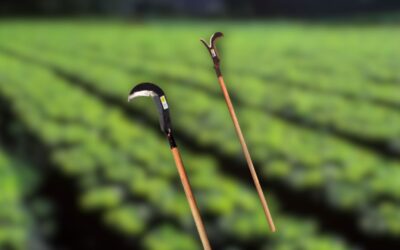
[246, 154]
[190, 197]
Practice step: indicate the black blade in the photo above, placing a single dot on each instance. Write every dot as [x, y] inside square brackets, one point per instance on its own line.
[158, 95]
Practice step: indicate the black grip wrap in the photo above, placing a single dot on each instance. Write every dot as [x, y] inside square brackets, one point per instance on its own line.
[171, 140]
[217, 70]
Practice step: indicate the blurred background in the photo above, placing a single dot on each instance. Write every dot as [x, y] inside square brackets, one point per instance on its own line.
[316, 86]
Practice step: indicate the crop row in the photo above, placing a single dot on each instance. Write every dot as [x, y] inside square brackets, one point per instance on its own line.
[306, 160]
[301, 158]
[319, 61]
[125, 169]
[360, 118]
[14, 221]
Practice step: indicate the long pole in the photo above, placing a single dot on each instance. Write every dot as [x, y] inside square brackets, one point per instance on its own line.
[214, 55]
[190, 197]
[152, 90]
[245, 151]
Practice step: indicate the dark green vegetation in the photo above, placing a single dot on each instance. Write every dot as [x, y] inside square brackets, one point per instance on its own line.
[14, 221]
[319, 106]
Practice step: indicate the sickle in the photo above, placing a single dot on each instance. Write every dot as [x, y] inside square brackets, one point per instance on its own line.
[212, 49]
[152, 90]
[214, 55]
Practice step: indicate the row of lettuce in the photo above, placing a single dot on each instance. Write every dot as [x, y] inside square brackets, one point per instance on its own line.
[125, 171]
[346, 176]
[331, 60]
[14, 219]
[351, 102]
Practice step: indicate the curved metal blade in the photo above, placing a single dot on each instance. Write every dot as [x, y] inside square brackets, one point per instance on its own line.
[211, 46]
[152, 90]
[214, 38]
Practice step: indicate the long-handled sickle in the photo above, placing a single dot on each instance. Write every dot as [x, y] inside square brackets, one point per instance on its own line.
[214, 55]
[152, 90]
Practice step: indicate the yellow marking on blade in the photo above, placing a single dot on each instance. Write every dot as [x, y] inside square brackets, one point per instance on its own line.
[164, 102]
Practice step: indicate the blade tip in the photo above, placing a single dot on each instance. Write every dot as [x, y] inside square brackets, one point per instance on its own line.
[130, 97]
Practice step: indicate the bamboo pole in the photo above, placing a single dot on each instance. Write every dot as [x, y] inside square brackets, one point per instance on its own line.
[246, 152]
[190, 197]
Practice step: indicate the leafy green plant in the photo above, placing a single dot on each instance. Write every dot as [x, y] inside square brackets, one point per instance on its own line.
[141, 186]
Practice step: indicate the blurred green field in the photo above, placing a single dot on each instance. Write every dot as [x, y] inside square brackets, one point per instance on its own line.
[318, 103]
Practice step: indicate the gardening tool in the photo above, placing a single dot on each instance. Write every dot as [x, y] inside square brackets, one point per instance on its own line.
[152, 90]
[215, 57]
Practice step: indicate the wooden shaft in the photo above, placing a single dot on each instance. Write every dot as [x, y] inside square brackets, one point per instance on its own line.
[190, 197]
[246, 153]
